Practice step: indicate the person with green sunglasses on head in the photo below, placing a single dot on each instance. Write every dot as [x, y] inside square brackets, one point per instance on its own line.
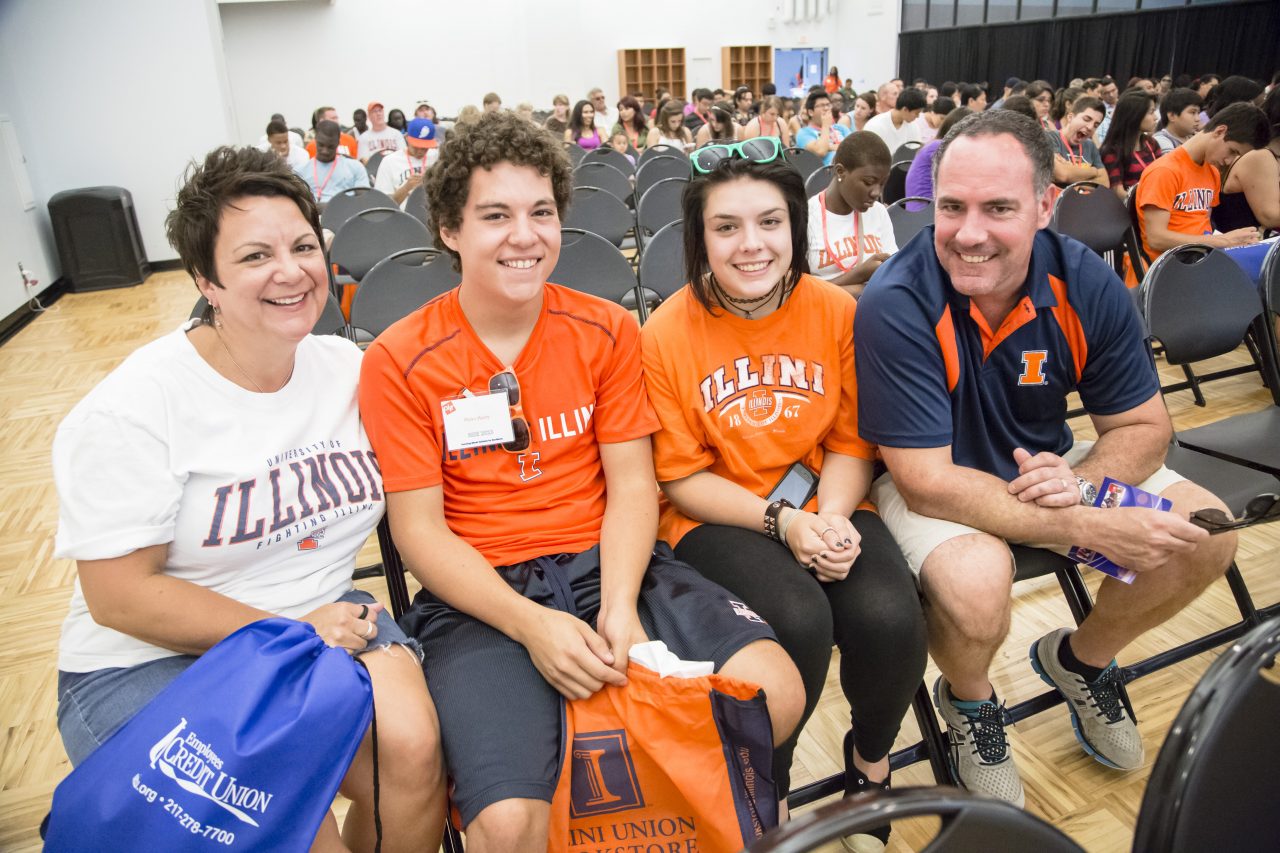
[821, 135]
[761, 149]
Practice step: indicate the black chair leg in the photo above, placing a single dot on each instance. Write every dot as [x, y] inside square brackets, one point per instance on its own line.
[397, 590]
[932, 736]
[1194, 384]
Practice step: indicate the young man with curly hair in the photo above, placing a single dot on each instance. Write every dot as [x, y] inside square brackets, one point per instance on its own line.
[533, 534]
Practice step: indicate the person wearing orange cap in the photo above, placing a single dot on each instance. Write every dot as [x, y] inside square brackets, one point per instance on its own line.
[379, 136]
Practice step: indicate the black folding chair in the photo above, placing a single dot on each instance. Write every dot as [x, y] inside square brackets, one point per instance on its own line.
[907, 151]
[661, 267]
[575, 152]
[374, 161]
[908, 223]
[604, 154]
[591, 264]
[658, 207]
[660, 168]
[805, 162]
[895, 186]
[604, 176]
[348, 203]
[1200, 304]
[1093, 215]
[969, 823]
[1138, 259]
[416, 206]
[659, 150]
[600, 212]
[1214, 783]
[370, 236]
[397, 286]
[818, 180]
[331, 321]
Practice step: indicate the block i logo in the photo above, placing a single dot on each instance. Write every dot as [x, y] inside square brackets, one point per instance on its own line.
[603, 779]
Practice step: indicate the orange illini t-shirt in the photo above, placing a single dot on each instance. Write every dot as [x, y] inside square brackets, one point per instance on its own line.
[746, 399]
[580, 386]
[1185, 188]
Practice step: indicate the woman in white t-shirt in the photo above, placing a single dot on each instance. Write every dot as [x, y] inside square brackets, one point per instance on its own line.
[850, 233]
[220, 476]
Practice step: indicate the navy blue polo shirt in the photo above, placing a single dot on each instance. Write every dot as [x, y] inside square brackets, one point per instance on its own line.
[931, 372]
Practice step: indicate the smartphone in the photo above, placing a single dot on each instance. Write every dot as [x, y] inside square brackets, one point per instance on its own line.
[797, 487]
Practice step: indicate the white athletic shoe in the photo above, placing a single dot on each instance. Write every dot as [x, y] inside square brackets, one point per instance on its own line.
[980, 756]
[1100, 712]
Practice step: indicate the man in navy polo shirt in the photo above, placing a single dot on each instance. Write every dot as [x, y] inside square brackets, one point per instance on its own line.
[969, 340]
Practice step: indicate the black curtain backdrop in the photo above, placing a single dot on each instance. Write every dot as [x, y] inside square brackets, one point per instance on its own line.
[1238, 38]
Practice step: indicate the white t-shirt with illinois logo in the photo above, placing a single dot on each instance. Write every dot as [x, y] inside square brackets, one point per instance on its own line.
[745, 399]
[833, 251]
[263, 498]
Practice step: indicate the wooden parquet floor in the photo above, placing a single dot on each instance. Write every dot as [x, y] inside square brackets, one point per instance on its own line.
[53, 362]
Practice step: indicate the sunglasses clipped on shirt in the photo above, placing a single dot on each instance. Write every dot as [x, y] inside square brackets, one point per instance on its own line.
[761, 149]
[1259, 510]
[505, 380]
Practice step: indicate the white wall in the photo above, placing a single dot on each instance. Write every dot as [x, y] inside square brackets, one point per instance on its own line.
[400, 51]
[126, 92]
[119, 93]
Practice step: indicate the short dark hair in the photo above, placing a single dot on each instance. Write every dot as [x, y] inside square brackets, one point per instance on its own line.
[208, 188]
[910, 98]
[1233, 90]
[942, 106]
[328, 129]
[1020, 104]
[968, 92]
[492, 139]
[814, 97]
[701, 94]
[693, 204]
[769, 89]
[1027, 131]
[947, 89]
[276, 127]
[862, 148]
[1087, 102]
[1178, 100]
[1245, 123]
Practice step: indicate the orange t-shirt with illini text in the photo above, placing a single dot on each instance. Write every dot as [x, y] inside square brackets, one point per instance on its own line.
[746, 399]
[1178, 184]
[580, 386]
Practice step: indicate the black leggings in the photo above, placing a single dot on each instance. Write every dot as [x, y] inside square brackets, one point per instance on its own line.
[873, 615]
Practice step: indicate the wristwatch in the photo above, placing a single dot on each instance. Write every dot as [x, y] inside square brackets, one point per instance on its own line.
[771, 514]
[1088, 491]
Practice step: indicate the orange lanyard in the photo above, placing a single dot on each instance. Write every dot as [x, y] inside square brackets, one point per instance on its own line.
[315, 177]
[1071, 155]
[422, 163]
[826, 241]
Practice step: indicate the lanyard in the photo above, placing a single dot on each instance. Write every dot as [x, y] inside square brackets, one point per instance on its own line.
[1071, 155]
[315, 177]
[774, 132]
[1144, 163]
[826, 241]
[409, 159]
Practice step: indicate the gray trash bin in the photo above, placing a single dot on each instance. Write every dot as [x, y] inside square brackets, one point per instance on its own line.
[96, 231]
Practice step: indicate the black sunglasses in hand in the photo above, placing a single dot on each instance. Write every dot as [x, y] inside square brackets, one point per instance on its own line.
[1259, 510]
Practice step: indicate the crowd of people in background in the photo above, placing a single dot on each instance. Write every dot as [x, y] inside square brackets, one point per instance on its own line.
[1100, 132]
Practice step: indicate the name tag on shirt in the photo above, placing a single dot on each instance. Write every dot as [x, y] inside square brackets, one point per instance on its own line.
[477, 420]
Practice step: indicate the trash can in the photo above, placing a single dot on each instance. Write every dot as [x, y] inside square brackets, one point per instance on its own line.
[96, 231]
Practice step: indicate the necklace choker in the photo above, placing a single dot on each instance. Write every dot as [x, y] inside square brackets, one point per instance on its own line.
[757, 302]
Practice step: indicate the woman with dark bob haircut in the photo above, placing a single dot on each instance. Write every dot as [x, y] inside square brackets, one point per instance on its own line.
[165, 570]
[751, 370]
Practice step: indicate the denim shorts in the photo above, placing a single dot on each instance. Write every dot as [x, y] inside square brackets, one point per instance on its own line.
[93, 705]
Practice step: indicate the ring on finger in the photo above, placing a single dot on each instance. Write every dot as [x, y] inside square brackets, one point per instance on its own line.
[826, 531]
[1066, 487]
[368, 632]
[364, 611]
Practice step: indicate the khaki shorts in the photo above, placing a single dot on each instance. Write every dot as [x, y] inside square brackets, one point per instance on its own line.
[918, 535]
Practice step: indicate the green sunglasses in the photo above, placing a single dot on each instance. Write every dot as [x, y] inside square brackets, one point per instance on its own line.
[762, 149]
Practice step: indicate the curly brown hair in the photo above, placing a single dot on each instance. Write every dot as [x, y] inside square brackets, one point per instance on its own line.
[228, 174]
[495, 138]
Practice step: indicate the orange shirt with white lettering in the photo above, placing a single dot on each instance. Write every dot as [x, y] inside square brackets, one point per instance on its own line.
[580, 387]
[746, 399]
[347, 146]
[1185, 188]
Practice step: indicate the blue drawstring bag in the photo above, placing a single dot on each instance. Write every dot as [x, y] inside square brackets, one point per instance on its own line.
[243, 751]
